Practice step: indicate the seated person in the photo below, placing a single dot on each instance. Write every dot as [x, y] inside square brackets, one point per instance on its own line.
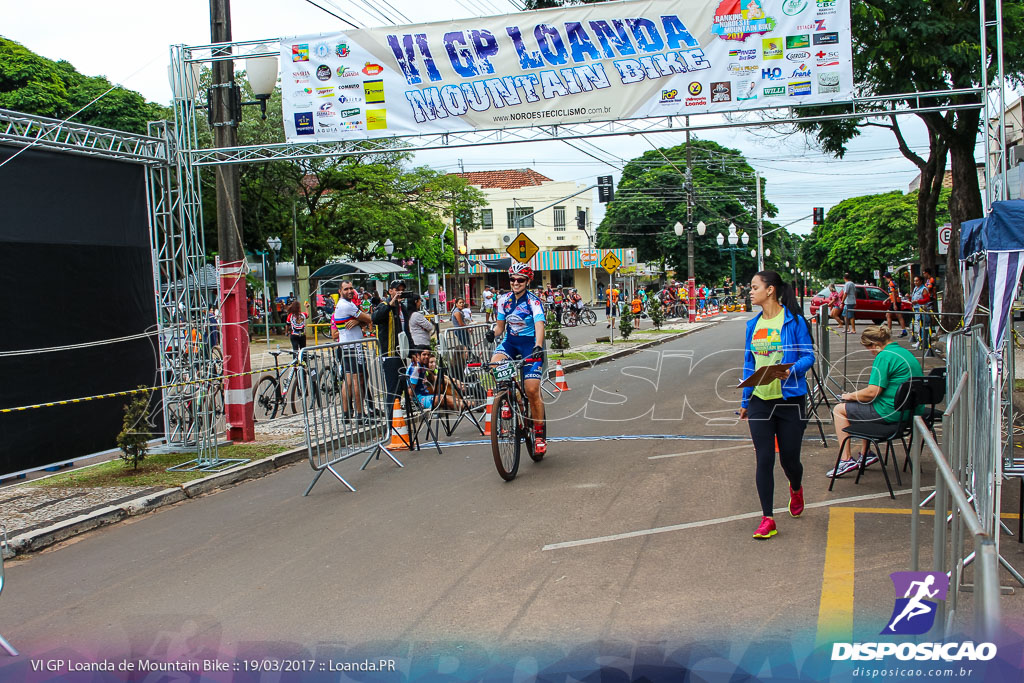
[893, 365]
[421, 388]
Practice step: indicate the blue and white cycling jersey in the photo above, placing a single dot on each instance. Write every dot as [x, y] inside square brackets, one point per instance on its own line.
[522, 315]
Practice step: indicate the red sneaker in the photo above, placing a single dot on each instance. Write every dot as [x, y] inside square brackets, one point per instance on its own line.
[796, 501]
[767, 528]
[540, 446]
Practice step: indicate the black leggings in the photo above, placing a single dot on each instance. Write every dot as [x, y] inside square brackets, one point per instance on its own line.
[784, 419]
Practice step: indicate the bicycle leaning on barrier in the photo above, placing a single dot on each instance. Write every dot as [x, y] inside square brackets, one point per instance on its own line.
[521, 320]
[274, 393]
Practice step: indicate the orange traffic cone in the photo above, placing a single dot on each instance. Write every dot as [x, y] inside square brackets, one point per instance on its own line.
[776, 445]
[487, 411]
[399, 429]
[560, 383]
[698, 318]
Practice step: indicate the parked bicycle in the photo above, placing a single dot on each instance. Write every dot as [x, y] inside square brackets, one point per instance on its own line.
[571, 317]
[511, 424]
[274, 394]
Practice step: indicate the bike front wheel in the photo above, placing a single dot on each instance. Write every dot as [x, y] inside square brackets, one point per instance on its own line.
[265, 398]
[505, 435]
[588, 316]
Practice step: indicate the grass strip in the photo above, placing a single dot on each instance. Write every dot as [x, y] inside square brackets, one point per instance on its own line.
[582, 355]
[153, 470]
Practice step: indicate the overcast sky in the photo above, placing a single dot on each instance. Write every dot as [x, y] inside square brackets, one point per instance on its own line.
[127, 41]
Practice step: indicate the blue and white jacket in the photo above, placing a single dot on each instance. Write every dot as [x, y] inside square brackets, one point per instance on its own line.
[797, 348]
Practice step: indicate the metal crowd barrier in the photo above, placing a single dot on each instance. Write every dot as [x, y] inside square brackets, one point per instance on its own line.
[3, 550]
[947, 557]
[344, 405]
[457, 348]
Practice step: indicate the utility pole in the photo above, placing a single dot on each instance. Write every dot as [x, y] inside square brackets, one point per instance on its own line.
[238, 394]
[295, 254]
[760, 224]
[691, 283]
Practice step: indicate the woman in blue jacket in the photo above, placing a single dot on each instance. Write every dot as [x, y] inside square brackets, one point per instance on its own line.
[777, 410]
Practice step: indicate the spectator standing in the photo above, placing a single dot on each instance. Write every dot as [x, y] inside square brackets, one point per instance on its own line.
[637, 307]
[849, 303]
[488, 304]
[392, 321]
[420, 329]
[921, 300]
[611, 305]
[894, 305]
[347, 324]
[296, 322]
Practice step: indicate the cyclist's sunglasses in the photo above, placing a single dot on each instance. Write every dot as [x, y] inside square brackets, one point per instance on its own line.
[518, 279]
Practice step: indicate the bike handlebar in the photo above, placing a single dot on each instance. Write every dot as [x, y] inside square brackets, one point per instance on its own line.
[511, 360]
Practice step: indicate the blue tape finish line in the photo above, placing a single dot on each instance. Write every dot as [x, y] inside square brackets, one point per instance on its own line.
[622, 437]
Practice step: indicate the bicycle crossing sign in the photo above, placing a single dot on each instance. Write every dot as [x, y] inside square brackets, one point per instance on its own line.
[610, 262]
[522, 248]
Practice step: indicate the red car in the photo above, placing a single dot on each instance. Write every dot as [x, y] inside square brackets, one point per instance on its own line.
[872, 302]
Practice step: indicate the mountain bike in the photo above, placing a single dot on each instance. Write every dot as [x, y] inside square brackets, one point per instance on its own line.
[511, 424]
[274, 394]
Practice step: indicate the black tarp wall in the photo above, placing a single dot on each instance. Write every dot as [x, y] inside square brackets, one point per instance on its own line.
[75, 267]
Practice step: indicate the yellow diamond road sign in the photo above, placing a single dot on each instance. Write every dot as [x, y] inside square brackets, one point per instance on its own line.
[522, 248]
[610, 262]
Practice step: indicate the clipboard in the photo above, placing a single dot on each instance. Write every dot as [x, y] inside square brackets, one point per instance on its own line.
[759, 377]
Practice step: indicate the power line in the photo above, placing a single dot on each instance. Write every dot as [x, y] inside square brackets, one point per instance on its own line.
[339, 18]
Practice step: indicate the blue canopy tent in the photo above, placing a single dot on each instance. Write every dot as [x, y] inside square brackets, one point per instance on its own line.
[993, 247]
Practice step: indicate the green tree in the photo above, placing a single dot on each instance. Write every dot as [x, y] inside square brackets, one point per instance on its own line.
[33, 84]
[651, 198]
[864, 234]
[907, 46]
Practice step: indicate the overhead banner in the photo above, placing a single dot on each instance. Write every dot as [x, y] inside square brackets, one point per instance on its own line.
[600, 62]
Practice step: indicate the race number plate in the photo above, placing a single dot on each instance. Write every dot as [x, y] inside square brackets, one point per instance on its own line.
[504, 371]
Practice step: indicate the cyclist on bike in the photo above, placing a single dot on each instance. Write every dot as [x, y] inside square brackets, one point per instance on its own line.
[521, 315]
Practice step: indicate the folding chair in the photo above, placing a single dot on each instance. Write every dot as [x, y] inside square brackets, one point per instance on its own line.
[450, 419]
[3, 642]
[906, 402]
[931, 391]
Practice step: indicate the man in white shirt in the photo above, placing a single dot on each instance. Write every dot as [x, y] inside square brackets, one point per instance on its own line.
[347, 325]
[488, 304]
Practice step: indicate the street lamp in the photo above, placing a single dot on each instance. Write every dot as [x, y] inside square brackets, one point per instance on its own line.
[733, 238]
[275, 245]
[691, 284]
[389, 247]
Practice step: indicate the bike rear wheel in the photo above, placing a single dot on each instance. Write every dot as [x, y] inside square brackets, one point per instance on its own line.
[588, 316]
[265, 398]
[505, 435]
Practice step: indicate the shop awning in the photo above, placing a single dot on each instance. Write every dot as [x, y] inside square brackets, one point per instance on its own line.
[334, 270]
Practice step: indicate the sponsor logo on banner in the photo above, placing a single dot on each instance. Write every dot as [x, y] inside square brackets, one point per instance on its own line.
[695, 100]
[744, 55]
[307, 104]
[805, 27]
[346, 72]
[746, 90]
[770, 73]
[327, 128]
[828, 82]
[300, 53]
[798, 56]
[325, 92]
[341, 50]
[326, 111]
[796, 42]
[376, 119]
[798, 88]
[372, 69]
[349, 99]
[775, 91]
[374, 92]
[669, 96]
[694, 88]
[771, 48]
[300, 74]
[826, 6]
[732, 25]
[305, 92]
[826, 38]
[819, 25]
[349, 113]
[353, 125]
[322, 50]
[721, 91]
[349, 86]
[304, 123]
[801, 71]
[743, 69]
[323, 72]
[791, 8]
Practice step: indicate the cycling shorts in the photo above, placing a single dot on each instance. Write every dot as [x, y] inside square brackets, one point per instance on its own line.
[521, 347]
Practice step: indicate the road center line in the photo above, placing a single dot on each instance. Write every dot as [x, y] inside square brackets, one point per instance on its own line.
[748, 446]
[712, 522]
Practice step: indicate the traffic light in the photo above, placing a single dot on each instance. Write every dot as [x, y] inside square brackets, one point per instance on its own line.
[605, 193]
[819, 215]
[581, 220]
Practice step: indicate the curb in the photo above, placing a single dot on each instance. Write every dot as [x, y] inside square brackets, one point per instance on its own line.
[39, 539]
[615, 355]
[45, 537]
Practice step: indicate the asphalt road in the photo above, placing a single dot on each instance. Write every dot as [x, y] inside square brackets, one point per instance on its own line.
[614, 540]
